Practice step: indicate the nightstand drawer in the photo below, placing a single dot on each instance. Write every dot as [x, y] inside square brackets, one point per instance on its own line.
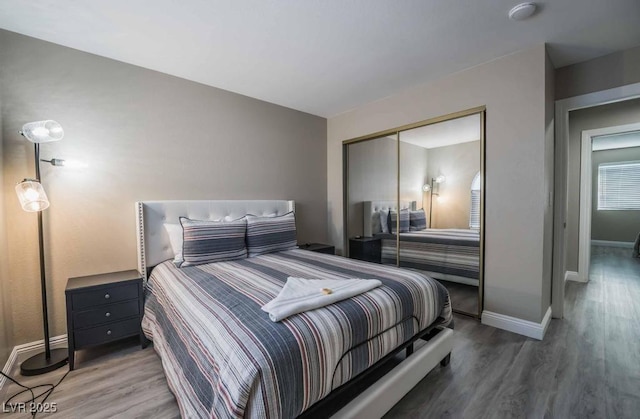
[103, 308]
[106, 314]
[365, 248]
[107, 333]
[107, 295]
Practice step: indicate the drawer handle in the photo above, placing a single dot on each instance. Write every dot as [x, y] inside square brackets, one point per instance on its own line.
[108, 332]
[107, 296]
[107, 314]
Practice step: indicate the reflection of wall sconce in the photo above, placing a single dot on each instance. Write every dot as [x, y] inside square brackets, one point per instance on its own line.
[434, 185]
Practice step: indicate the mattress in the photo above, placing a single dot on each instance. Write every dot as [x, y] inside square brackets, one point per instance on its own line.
[223, 357]
[450, 254]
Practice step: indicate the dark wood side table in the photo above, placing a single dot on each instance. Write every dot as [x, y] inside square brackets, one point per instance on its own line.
[365, 248]
[103, 308]
[318, 247]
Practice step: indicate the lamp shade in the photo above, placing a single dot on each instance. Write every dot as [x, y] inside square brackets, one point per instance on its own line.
[42, 131]
[441, 179]
[426, 187]
[32, 196]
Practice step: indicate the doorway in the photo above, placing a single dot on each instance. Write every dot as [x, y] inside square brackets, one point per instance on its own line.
[609, 189]
[567, 225]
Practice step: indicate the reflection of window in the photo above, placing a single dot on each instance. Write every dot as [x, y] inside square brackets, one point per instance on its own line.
[619, 186]
[474, 214]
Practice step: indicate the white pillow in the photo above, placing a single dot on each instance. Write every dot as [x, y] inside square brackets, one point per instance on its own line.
[384, 214]
[375, 223]
[175, 238]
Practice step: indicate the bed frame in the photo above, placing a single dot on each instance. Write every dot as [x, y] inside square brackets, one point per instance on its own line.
[356, 398]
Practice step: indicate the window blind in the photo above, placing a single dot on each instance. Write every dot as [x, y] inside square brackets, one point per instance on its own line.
[474, 216]
[619, 186]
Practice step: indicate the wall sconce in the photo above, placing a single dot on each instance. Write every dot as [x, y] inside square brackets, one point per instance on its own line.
[34, 199]
[66, 163]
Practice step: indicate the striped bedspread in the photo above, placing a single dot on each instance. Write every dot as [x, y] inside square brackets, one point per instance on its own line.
[223, 357]
[451, 254]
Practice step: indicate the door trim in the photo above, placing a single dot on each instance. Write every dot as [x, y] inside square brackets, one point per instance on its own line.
[586, 188]
[563, 107]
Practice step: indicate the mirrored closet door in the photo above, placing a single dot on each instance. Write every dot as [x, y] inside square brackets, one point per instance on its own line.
[371, 193]
[434, 216]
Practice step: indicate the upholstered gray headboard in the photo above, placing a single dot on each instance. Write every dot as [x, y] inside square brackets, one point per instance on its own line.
[371, 218]
[153, 241]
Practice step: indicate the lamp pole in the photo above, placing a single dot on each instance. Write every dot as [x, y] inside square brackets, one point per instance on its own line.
[49, 360]
[431, 201]
[43, 279]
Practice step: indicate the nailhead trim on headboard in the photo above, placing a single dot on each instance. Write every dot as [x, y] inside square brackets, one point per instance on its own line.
[142, 267]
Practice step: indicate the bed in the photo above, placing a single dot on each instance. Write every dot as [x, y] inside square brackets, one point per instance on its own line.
[446, 254]
[222, 355]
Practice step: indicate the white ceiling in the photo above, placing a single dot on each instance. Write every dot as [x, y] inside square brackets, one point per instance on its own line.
[454, 131]
[322, 56]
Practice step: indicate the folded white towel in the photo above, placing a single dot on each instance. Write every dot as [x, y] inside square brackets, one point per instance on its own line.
[299, 294]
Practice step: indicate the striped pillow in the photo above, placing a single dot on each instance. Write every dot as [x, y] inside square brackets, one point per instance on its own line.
[270, 234]
[206, 241]
[384, 221]
[404, 221]
[417, 220]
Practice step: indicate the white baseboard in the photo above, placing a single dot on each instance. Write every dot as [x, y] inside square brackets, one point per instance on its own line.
[607, 243]
[21, 352]
[8, 366]
[513, 324]
[573, 276]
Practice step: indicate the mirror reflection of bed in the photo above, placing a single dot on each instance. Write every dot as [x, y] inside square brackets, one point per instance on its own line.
[450, 255]
[435, 225]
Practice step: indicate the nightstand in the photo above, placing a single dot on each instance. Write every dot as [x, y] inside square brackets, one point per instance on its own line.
[365, 248]
[318, 247]
[103, 308]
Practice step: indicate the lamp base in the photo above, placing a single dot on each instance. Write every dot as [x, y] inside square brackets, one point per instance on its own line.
[39, 364]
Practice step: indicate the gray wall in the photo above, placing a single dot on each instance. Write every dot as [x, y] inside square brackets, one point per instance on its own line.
[513, 90]
[622, 226]
[602, 73]
[413, 173]
[5, 300]
[613, 114]
[373, 176]
[145, 135]
[459, 163]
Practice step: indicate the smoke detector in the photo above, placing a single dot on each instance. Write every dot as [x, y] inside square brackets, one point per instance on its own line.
[522, 11]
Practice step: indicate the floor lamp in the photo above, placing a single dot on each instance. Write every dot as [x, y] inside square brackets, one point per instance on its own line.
[434, 188]
[34, 199]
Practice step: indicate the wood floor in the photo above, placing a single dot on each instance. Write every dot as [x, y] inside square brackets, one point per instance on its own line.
[463, 297]
[588, 366]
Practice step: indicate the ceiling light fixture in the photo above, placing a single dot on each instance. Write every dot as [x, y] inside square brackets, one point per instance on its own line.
[522, 11]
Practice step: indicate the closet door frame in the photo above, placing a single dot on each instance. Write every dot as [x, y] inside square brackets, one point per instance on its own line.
[396, 132]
